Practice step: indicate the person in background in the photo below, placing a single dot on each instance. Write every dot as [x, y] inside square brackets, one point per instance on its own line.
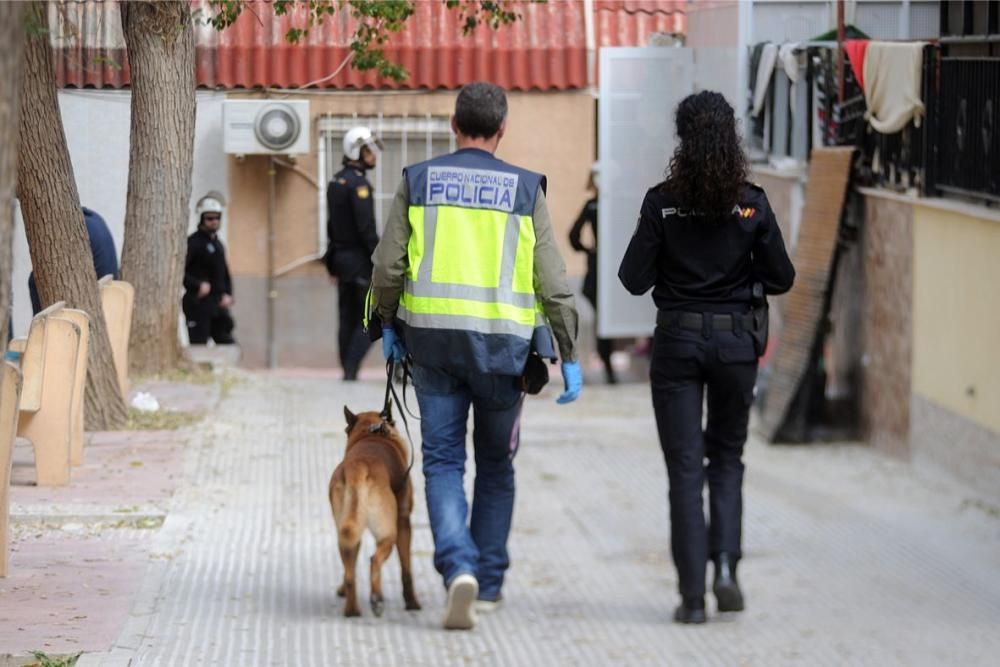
[350, 226]
[588, 216]
[707, 243]
[208, 288]
[102, 249]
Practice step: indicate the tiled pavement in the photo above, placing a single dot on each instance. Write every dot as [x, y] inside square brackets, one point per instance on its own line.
[850, 558]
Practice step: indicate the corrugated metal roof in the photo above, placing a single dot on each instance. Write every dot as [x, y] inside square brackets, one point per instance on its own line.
[546, 50]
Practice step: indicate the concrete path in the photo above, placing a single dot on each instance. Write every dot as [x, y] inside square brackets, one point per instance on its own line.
[851, 559]
[79, 552]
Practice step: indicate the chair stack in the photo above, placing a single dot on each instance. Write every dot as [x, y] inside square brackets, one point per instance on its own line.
[118, 300]
[42, 388]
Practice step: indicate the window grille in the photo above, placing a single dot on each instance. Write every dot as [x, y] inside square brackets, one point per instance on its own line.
[407, 140]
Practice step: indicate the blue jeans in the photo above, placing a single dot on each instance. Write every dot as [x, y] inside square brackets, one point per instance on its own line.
[478, 545]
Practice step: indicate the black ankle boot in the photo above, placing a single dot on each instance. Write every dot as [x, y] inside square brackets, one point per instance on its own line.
[727, 588]
[691, 610]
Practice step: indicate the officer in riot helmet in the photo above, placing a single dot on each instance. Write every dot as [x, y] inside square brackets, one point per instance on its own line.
[706, 242]
[208, 287]
[350, 227]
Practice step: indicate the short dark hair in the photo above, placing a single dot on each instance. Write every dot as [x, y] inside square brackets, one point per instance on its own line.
[480, 109]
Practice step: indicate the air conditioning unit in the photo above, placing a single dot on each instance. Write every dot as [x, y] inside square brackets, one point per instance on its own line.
[265, 127]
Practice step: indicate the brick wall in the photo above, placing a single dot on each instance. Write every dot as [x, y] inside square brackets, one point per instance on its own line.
[887, 266]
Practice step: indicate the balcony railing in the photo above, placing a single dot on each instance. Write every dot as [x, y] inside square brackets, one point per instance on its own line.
[965, 157]
[954, 151]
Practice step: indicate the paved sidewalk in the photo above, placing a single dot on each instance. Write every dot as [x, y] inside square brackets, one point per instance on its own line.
[850, 558]
[79, 552]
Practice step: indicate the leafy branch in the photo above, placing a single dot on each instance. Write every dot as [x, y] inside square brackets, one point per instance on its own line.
[377, 22]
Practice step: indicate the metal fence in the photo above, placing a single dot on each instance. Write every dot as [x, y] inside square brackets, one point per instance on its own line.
[965, 159]
[902, 160]
[954, 151]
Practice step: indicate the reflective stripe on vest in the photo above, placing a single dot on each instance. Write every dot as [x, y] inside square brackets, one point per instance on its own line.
[471, 253]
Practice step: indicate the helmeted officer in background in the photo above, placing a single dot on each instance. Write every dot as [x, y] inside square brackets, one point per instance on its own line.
[350, 227]
[706, 241]
[468, 279]
[208, 287]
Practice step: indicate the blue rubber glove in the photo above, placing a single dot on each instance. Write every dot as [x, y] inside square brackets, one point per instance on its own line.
[392, 346]
[573, 379]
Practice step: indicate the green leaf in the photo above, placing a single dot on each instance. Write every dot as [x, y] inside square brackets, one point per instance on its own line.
[104, 60]
[35, 25]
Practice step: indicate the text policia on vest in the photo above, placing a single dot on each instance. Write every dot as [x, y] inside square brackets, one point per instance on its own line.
[478, 188]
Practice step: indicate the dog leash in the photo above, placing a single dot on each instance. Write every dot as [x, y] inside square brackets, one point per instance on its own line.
[403, 409]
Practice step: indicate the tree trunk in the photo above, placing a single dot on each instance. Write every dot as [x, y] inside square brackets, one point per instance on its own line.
[160, 45]
[53, 223]
[11, 34]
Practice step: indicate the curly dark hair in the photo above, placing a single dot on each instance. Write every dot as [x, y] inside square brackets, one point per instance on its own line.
[709, 167]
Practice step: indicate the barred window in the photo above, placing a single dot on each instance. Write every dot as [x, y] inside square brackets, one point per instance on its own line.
[407, 140]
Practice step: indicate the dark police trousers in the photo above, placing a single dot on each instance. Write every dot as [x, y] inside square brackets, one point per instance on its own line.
[206, 319]
[351, 337]
[687, 366]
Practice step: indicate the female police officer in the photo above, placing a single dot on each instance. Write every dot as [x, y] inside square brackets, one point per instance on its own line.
[704, 238]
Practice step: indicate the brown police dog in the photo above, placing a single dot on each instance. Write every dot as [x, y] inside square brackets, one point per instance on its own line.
[371, 487]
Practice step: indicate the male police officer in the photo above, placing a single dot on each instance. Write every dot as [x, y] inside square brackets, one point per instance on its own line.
[350, 227]
[468, 273]
[208, 288]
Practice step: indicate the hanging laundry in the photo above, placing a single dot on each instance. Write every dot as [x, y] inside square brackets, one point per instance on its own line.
[789, 57]
[788, 54]
[768, 57]
[856, 49]
[892, 74]
[756, 122]
[755, 54]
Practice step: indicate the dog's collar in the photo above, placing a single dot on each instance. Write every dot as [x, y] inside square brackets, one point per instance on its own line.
[380, 427]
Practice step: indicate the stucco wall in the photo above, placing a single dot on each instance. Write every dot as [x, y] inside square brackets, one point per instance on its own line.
[955, 405]
[930, 386]
[956, 321]
[553, 133]
[786, 194]
[97, 132]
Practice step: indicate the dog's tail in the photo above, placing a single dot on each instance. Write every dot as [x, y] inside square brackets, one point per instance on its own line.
[355, 500]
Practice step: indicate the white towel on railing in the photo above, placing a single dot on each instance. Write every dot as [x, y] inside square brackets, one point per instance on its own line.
[892, 84]
[789, 55]
[768, 57]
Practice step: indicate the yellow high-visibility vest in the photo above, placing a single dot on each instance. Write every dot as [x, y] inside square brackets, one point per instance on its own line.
[468, 295]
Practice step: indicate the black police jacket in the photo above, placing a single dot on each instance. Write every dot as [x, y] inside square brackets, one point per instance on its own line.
[206, 262]
[350, 225]
[697, 263]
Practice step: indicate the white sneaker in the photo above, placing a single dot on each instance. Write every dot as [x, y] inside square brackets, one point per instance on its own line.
[487, 606]
[461, 612]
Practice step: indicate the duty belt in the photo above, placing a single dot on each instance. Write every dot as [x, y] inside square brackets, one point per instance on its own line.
[737, 322]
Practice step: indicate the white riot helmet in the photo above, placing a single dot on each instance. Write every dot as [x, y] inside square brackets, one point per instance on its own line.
[357, 137]
[210, 203]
